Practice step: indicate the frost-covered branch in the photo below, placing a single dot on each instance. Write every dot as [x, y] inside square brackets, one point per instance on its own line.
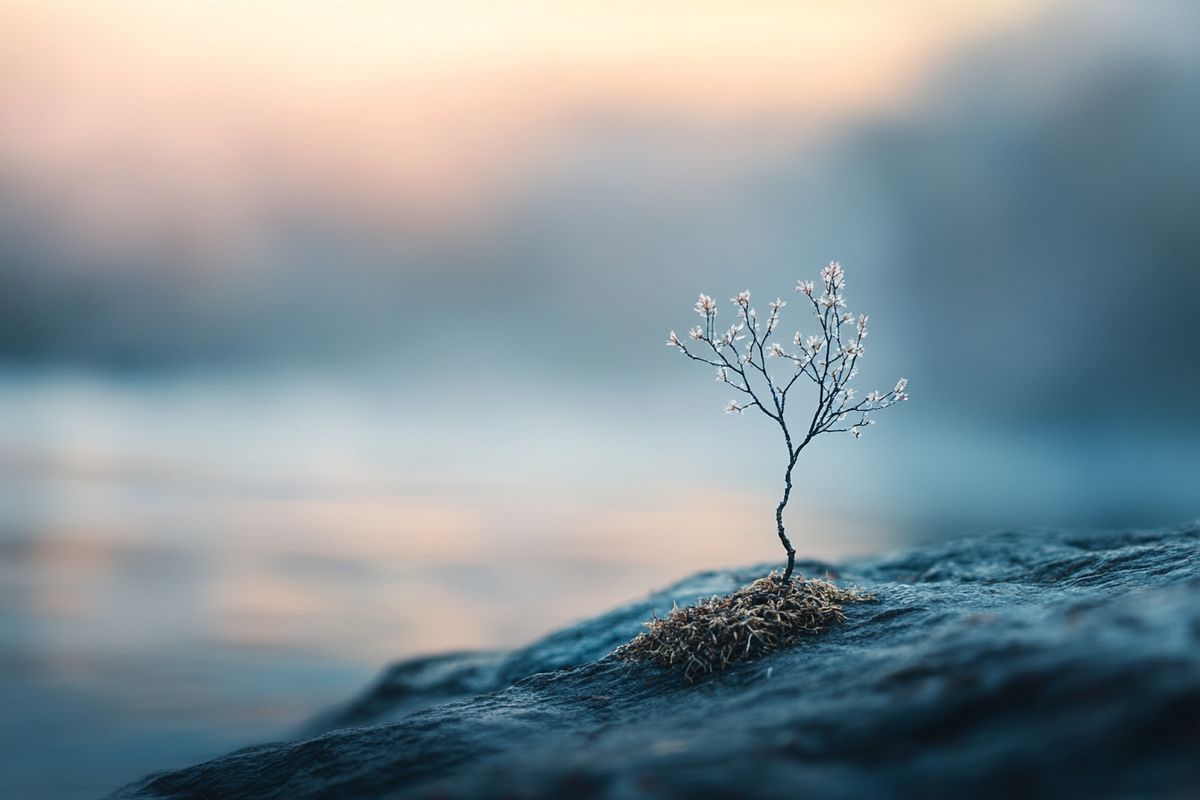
[828, 358]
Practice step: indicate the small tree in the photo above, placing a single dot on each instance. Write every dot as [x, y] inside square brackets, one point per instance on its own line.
[829, 359]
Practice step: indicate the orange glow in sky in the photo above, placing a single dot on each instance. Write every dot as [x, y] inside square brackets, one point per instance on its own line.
[123, 109]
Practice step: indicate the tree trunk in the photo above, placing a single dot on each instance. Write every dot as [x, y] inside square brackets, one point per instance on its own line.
[787, 543]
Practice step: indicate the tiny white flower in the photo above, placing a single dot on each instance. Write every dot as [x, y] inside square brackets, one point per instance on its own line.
[855, 432]
[696, 332]
[706, 306]
[901, 385]
[854, 349]
[775, 351]
[777, 304]
[833, 274]
[722, 375]
[874, 396]
[673, 340]
[734, 407]
[742, 299]
[832, 300]
[815, 343]
[805, 286]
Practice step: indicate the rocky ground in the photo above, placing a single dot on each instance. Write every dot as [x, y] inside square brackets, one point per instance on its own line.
[1036, 664]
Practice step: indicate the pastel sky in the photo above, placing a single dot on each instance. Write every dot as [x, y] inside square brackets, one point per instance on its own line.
[121, 110]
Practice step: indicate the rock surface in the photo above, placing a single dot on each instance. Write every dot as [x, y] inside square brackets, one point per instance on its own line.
[1015, 665]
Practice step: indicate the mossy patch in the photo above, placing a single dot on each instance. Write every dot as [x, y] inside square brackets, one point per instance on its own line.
[755, 620]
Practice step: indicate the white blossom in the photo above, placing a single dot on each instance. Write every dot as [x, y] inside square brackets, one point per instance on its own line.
[742, 298]
[806, 287]
[706, 306]
[874, 396]
[734, 407]
[696, 332]
[832, 300]
[815, 343]
[775, 350]
[722, 375]
[833, 275]
[673, 340]
[775, 305]
[854, 348]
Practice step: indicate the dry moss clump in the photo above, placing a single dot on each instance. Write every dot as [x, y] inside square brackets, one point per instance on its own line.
[753, 621]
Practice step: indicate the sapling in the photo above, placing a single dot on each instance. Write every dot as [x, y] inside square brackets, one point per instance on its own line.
[828, 359]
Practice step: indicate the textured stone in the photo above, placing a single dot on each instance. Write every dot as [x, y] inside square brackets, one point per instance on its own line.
[1028, 664]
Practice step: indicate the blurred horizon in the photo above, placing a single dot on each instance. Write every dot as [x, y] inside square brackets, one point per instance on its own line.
[332, 334]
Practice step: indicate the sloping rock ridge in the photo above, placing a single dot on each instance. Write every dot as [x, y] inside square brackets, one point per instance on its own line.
[1034, 664]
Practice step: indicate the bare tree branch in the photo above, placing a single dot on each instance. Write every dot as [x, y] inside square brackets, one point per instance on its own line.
[829, 360]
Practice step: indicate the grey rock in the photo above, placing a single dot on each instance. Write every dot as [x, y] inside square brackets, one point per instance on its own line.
[1035, 664]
